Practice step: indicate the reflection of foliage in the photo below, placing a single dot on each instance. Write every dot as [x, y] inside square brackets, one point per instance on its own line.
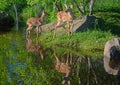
[18, 66]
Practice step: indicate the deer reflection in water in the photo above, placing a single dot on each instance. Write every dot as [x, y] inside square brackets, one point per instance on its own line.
[34, 47]
[64, 66]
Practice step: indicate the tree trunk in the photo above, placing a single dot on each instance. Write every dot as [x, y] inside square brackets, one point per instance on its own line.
[91, 6]
[16, 14]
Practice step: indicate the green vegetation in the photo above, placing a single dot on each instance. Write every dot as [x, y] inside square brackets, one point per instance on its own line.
[18, 66]
[32, 8]
[90, 41]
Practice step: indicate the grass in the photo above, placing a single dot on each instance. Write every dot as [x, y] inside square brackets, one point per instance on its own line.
[111, 21]
[109, 11]
[91, 40]
[107, 5]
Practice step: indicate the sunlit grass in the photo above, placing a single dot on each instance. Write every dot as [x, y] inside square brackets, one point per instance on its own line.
[106, 5]
[92, 39]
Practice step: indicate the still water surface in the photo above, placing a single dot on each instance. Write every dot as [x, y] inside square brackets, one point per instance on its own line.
[24, 61]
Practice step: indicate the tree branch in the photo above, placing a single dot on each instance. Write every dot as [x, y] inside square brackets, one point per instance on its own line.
[80, 11]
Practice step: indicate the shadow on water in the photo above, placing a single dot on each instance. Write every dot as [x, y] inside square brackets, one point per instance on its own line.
[33, 64]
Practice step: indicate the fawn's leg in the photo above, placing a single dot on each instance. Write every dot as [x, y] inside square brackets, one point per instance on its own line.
[28, 30]
[58, 23]
[40, 29]
[71, 26]
[68, 31]
[37, 31]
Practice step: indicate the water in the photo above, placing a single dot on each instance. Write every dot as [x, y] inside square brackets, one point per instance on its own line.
[24, 61]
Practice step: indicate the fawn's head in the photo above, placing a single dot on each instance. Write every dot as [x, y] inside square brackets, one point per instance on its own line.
[68, 8]
[44, 13]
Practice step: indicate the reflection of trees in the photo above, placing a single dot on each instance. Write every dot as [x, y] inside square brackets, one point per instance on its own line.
[84, 70]
[92, 72]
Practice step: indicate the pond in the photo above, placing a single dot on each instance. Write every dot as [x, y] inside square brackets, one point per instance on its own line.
[25, 61]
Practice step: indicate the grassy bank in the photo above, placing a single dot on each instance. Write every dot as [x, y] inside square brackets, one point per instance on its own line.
[90, 40]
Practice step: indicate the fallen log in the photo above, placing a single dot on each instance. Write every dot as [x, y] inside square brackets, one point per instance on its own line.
[80, 24]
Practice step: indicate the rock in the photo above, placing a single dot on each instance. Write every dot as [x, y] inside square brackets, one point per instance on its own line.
[80, 24]
[112, 56]
[6, 22]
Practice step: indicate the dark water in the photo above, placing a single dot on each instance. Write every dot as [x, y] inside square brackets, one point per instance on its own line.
[24, 61]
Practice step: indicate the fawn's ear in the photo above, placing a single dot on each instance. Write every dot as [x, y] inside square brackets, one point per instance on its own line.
[66, 6]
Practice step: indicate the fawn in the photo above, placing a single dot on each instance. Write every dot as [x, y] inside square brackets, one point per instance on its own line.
[64, 16]
[35, 22]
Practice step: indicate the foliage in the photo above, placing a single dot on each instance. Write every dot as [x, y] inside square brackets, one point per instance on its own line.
[106, 4]
[4, 4]
[30, 8]
[111, 21]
